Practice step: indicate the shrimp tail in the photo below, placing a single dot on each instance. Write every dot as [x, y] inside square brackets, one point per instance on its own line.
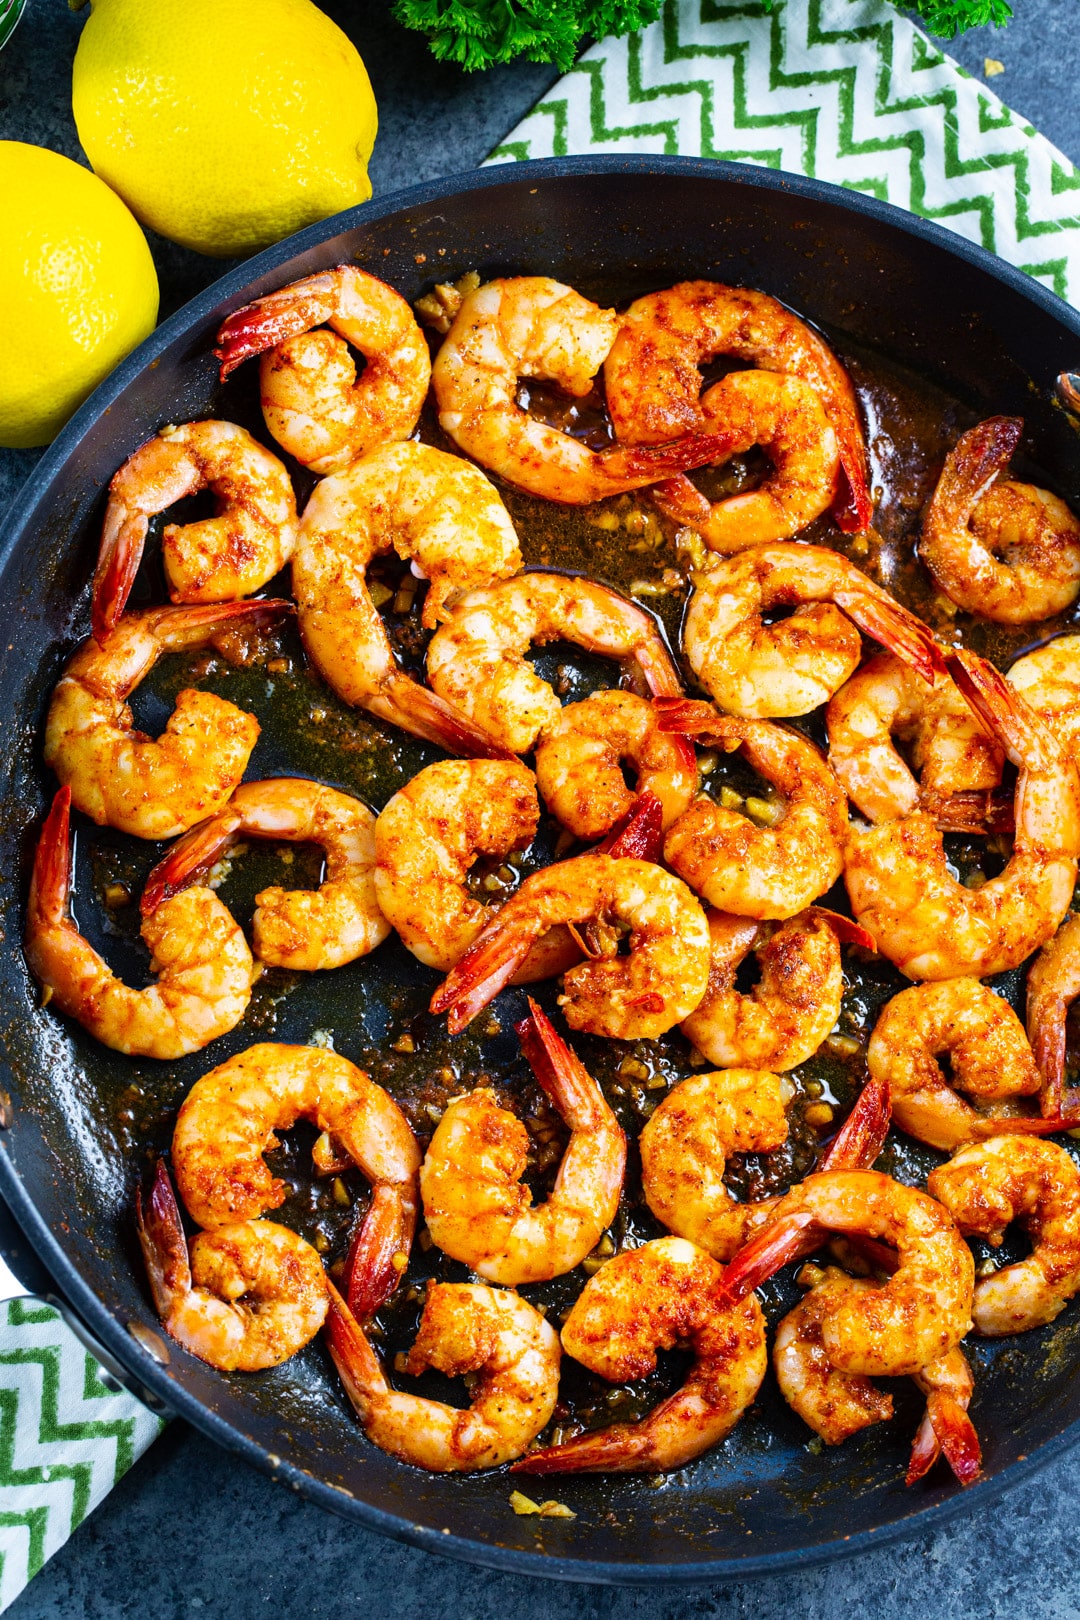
[616, 1449]
[639, 834]
[862, 1136]
[1046, 1020]
[190, 857]
[181, 627]
[998, 705]
[559, 1072]
[487, 966]
[352, 1355]
[379, 1253]
[164, 1246]
[652, 463]
[972, 810]
[897, 629]
[976, 460]
[268, 321]
[945, 1428]
[405, 703]
[654, 661]
[853, 509]
[50, 881]
[122, 540]
[847, 931]
[691, 717]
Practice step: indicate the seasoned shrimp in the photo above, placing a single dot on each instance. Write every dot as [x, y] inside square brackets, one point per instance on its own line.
[990, 1059]
[476, 659]
[990, 1184]
[1053, 985]
[920, 1314]
[958, 762]
[653, 375]
[475, 1204]
[431, 508]
[491, 1335]
[1007, 551]
[664, 1294]
[741, 867]
[216, 560]
[581, 752]
[118, 776]
[250, 1295]
[1049, 679]
[643, 994]
[921, 917]
[785, 416]
[314, 404]
[292, 928]
[764, 670]
[427, 838]
[531, 326]
[794, 1005]
[201, 958]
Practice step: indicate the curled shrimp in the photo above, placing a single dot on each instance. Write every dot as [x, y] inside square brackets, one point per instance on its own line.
[892, 1330]
[794, 1005]
[216, 560]
[985, 1187]
[431, 508]
[838, 1404]
[664, 1294]
[990, 1059]
[643, 994]
[1049, 680]
[1053, 985]
[653, 373]
[292, 928]
[118, 776]
[490, 1335]
[476, 659]
[785, 416]
[531, 326]
[580, 756]
[477, 1208]
[248, 1296]
[1007, 551]
[741, 867]
[958, 763]
[200, 957]
[921, 917]
[314, 404]
[764, 670]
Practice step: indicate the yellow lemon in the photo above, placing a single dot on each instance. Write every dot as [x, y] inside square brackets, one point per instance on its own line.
[224, 124]
[78, 289]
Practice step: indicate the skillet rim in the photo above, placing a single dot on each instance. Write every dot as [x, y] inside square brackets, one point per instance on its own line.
[113, 1336]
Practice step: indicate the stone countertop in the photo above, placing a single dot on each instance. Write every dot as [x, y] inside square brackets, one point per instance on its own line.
[190, 1532]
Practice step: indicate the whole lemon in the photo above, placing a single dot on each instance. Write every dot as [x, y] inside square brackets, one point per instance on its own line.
[78, 289]
[224, 124]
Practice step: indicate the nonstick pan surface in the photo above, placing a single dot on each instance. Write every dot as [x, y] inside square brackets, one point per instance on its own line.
[83, 1120]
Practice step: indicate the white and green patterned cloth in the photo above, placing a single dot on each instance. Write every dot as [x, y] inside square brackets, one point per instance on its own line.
[843, 90]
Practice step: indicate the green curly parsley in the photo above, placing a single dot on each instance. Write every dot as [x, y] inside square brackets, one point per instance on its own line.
[478, 33]
[947, 18]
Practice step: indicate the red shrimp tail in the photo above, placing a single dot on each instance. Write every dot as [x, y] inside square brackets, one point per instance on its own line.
[946, 1429]
[268, 321]
[1001, 708]
[652, 463]
[692, 717]
[559, 1071]
[1031, 1124]
[972, 810]
[977, 458]
[925, 1450]
[862, 1136]
[352, 1355]
[379, 1253]
[190, 858]
[1046, 1021]
[789, 1238]
[639, 834]
[122, 542]
[847, 931]
[161, 1237]
[50, 880]
[681, 500]
[618, 1449]
[853, 507]
[900, 631]
[486, 968]
[181, 627]
[416, 709]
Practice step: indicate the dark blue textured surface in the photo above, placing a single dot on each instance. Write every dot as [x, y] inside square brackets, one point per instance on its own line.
[190, 1532]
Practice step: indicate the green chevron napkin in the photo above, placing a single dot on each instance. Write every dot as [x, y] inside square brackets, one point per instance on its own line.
[67, 1434]
[844, 90]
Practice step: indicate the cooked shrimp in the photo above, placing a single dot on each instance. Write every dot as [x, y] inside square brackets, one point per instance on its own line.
[216, 560]
[491, 1335]
[250, 1295]
[531, 326]
[292, 928]
[1049, 679]
[1053, 985]
[643, 994]
[580, 756]
[990, 1184]
[201, 959]
[794, 1005]
[919, 1315]
[653, 375]
[1004, 550]
[785, 416]
[989, 1052]
[448, 520]
[475, 1204]
[118, 776]
[314, 404]
[787, 668]
[428, 837]
[921, 917]
[741, 867]
[664, 1294]
[958, 762]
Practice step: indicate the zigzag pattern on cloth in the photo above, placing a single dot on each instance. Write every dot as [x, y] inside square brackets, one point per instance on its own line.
[66, 1436]
[841, 90]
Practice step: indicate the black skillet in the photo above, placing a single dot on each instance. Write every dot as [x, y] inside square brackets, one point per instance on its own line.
[77, 1135]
